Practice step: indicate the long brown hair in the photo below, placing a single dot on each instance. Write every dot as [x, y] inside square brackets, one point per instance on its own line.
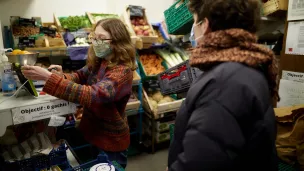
[122, 48]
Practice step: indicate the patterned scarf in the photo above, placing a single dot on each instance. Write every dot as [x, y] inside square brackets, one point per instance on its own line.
[236, 45]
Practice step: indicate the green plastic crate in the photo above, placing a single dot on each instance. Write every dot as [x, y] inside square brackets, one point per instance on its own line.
[143, 75]
[179, 19]
[286, 167]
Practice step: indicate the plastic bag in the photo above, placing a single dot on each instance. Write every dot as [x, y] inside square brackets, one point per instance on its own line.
[78, 53]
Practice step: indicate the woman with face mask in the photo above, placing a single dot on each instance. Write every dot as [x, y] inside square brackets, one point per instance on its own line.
[102, 87]
[227, 121]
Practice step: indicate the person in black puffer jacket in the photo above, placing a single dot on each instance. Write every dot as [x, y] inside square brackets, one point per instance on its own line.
[227, 121]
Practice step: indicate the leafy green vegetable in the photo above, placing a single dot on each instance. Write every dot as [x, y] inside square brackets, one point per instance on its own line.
[98, 17]
[74, 23]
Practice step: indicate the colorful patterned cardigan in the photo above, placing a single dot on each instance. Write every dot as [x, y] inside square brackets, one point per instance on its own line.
[104, 96]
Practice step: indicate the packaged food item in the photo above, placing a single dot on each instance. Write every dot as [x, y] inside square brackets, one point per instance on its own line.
[103, 167]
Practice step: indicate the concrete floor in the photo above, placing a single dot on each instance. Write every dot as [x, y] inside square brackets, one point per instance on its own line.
[148, 162]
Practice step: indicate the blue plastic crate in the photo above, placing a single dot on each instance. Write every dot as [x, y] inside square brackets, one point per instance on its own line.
[57, 157]
[161, 29]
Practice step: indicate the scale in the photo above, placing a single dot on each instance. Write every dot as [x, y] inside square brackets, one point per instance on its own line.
[28, 88]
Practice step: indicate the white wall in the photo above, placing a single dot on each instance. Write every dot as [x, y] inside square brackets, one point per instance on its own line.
[154, 8]
[46, 8]
[1, 37]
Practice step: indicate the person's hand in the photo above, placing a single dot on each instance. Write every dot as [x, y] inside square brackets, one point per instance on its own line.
[57, 69]
[36, 73]
[167, 169]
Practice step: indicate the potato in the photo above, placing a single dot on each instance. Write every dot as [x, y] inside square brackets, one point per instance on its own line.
[162, 101]
[157, 96]
[153, 104]
[168, 99]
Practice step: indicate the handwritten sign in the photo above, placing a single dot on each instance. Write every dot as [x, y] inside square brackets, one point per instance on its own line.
[26, 42]
[293, 76]
[42, 111]
[48, 31]
[136, 11]
[291, 93]
[27, 22]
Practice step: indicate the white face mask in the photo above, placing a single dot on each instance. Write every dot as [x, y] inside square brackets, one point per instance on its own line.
[192, 38]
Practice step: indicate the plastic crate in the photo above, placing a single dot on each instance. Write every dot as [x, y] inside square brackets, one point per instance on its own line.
[286, 167]
[57, 157]
[102, 158]
[158, 26]
[143, 74]
[178, 18]
[177, 79]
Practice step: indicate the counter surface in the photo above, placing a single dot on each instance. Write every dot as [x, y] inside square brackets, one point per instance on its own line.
[18, 110]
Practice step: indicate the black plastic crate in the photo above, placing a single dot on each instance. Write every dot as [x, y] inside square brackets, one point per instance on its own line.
[177, 79]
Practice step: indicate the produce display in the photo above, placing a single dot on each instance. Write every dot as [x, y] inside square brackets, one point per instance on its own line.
[25, 31]
[160, 39]
[73, 23]
[80, 42]
[98, 17]
[171, 58]
[141, 26]
[20, 52]
[157, 98]
[152, 64]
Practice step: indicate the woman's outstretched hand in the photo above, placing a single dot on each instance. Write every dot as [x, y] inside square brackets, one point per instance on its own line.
[36, 73]
[56, 68]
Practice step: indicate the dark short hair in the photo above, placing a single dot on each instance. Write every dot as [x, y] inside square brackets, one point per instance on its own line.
[227, 14]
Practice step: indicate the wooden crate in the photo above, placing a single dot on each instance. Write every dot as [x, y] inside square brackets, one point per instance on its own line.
[48, 46]
[145, 39]
[159, 136]
[273, 6]
[135, 104]
[161, 108]
[136, 78]
[92, 18]
[135, 39]
[159, 125]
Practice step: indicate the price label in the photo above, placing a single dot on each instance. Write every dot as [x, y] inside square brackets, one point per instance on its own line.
[136, 11]
[26, 42]
[27, 22]
[48, 31]
[56, 121]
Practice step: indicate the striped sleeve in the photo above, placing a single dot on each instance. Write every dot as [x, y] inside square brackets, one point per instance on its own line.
[116, 84]
[79, 77]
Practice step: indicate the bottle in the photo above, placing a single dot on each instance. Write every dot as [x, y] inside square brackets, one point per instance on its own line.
[1, 71]
[8, 80]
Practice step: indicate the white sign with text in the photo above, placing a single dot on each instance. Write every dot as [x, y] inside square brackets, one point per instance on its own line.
[56, 121]
[42, 111]
[293, 76]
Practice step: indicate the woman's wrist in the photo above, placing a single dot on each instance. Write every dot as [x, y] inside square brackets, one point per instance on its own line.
[48, 75]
